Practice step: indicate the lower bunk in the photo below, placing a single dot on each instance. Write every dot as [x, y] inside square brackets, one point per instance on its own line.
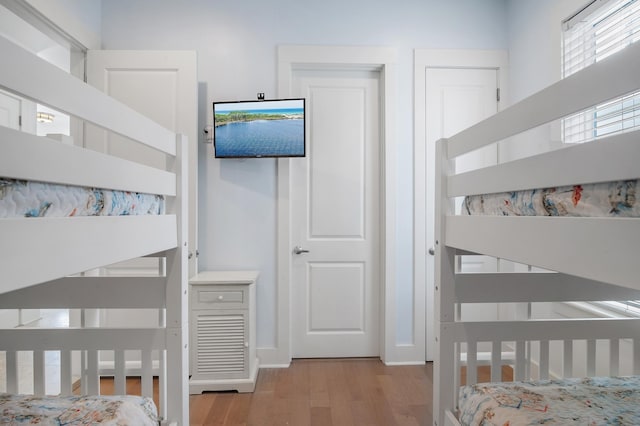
[87, 364]
[585, 401]
[115, 410]
[79, 375]
[564, 371]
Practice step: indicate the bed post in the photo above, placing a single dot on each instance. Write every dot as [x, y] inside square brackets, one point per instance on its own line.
[177, 381]
[444, 366]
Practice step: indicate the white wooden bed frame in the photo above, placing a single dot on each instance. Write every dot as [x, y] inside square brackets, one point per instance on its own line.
[594, 259]
[39, 255]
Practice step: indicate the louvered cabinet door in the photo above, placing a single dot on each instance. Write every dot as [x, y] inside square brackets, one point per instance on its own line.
[222, 326]
[221, 344]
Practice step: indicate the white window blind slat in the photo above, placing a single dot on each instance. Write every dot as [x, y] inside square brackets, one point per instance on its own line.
[600, 30]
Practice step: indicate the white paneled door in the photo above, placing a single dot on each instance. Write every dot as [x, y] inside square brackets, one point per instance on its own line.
[335, 217]
[163, 86]
[456, 98]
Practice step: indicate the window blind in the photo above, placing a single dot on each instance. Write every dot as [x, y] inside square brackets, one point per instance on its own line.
[597, 31]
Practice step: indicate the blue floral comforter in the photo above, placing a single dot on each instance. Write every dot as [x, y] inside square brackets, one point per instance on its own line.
[19, 198]
[588, 401]
[592, 200]
[77, 410]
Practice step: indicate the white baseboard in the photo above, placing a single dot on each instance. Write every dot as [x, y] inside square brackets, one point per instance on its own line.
[272, 358]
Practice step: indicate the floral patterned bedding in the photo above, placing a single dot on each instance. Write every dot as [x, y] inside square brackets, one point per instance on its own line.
[594, 200]
[77, 410]
[19, 198]
[588, 401]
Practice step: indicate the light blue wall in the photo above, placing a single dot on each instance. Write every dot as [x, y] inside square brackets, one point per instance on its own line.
[81, 19]
[534, 34]
[236, 43]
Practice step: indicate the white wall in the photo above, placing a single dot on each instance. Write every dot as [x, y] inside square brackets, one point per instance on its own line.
[79, 18]
[236, 44]
[534, 33]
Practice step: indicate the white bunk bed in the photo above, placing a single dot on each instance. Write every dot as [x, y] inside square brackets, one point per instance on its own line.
[43, 259]
[594, 258]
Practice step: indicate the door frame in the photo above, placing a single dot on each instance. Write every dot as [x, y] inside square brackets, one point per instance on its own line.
[382, 59]
[438, 58]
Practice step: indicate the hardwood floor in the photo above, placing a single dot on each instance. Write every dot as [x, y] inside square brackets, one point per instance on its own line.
[322, 392]
[328, 392]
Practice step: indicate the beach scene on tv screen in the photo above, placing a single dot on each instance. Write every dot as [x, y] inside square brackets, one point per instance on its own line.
[259, 129]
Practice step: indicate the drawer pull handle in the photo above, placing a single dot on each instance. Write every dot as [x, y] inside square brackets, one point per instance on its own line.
[220, 297]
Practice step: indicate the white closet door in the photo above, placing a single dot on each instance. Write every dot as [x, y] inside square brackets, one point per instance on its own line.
[163, 86]
[335, 216]
[456, 98]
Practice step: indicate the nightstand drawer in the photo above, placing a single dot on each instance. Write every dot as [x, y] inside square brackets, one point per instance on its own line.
[207, 297]
[222, 331]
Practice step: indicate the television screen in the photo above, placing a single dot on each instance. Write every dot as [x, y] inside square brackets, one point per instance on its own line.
[273, 128]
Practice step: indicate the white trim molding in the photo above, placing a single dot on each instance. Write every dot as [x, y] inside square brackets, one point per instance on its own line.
[383, 59]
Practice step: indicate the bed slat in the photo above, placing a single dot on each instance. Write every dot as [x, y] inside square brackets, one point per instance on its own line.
[521, 360]
[84, 240]
[544, 359]
[582, 246]
[12, 371]
[614, 357]
[496, 361]
[66, 382]
[39, 378]
[535, 287]
[593, 328]
[472, 364]
[77, 166]
[162, 384]
[90, 292]
[31, 77]
[119, 376]
[147, 375]
[81, 338]
[91, 373]
[591, 357]
[610, 159]
[557, 100]
[567, 362]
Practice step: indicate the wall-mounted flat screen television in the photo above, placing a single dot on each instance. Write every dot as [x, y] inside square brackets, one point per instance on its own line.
[254, 129]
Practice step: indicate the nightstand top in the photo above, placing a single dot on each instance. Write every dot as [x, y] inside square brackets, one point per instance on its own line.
[224, 277]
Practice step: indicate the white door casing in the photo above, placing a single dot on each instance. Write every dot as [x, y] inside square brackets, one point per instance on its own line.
[290, 59]
[163, 86]
[10, 111]
[449, 74]
[335, 206]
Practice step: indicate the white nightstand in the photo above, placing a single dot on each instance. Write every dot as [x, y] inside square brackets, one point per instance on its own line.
[222, 321]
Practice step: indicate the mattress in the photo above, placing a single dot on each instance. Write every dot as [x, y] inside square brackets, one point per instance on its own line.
[19, 198]
[77, 410]
[588, 401]
[590, 200]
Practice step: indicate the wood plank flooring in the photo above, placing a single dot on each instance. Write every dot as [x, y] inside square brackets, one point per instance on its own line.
[327, 392]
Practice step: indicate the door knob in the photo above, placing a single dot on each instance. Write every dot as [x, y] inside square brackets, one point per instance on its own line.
[299, 250]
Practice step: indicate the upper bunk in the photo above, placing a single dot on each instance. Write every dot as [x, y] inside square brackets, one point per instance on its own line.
[34, 250]
[603, 249]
